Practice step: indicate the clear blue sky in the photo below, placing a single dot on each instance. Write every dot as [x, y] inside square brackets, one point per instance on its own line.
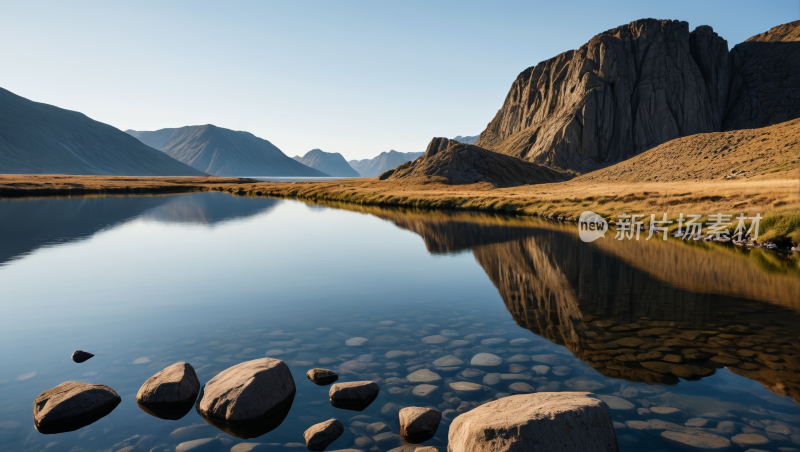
[352, 77]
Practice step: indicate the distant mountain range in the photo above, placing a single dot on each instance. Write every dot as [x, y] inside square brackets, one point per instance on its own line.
[37, 138]
[224, 152]
[330, 163]
[467, 140]
[374, 167]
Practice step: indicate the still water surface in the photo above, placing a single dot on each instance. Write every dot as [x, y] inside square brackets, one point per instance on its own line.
[687, 334]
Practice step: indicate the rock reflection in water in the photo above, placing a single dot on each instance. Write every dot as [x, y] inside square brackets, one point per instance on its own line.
[641, 311]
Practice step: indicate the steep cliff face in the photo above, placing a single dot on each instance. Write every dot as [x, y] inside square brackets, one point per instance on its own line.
[640, 85]
[765, 88]
[459, 163]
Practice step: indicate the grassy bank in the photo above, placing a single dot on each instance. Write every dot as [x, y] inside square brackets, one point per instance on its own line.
[776, 199]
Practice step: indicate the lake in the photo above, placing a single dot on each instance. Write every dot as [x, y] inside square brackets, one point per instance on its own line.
[701, 337]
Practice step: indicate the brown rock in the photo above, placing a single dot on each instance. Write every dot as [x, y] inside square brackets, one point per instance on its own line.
[696, 439]
[72, 405]
[553, 421]
[355, 395]
[321, 435]
[322, 377]
[247, 391]
[419, 424]
[174, 385]
[459, 163]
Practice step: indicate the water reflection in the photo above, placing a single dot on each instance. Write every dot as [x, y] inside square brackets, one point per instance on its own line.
[642, 311]
[27, 225]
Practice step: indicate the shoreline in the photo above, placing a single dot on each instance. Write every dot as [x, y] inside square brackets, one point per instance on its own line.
[776, 199]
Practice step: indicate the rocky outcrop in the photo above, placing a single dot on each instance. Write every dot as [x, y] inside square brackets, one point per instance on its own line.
[642, 84]
[457, 163]
[765, 87]
[248, 391]
[176, 384]
[549, 421]
[321, 435]
[72, 405]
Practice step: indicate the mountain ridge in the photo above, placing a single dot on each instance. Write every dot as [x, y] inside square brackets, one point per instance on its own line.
[331, 163]
[223, 152]
[38, 138]
[383, 162]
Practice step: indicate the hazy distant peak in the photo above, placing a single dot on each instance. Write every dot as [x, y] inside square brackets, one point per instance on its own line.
[331, 163]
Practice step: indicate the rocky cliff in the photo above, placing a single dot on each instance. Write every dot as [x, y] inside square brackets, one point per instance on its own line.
[459, 163]
[639, 85]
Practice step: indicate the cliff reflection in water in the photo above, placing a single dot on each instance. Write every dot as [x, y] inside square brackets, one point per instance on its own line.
[647, 311]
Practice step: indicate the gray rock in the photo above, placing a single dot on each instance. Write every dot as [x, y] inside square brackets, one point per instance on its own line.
[200, 445]
[696, 439]
[448, 361]
[321, 435]
[435, 340]
[486, 360]
[465, 386]
[377, 427]
[424, 376]
[174, 385]
[356, 341]
[247, 391]
[617, 403]
[424, 390]
[322, 377]
[521, 388]
[419, 424]
[70, 404]
[553, 421]
[80, 356]
[386, 439]
[749, 440]
[355, 394]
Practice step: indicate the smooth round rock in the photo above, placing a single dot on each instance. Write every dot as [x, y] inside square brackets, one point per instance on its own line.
[617, 403]
[521, 388]
[354, 393]
[321, 435]
[424, 390]
[200, 445]
[247, 391]
[72, 402]
[465, 386]
[519, 341]
[492, 341]
[356, 341]
[423, 376]
[437, 339]
[322, 377]
[448, 361]
[696, 439]
[80, 356]
[486, 360]
[174, 385]
[749, 440]
[419, 424]
[564, 421]
[666, 410]
[541, 369]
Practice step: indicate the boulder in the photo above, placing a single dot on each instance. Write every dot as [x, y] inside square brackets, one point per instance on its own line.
[321, 435]
[419, 424]
[174, 385]
[80, 356]
[564, 421]
[355, 395]
[322, 377]
[72, 405]
[255, 393]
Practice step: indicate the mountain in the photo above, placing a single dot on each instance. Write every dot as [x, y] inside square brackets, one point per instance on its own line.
[37, 138]
[467, 140]
[374, 167]
[330, 163]
[459, 163]
[223, 152]
[639, 85]
[737, 154]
